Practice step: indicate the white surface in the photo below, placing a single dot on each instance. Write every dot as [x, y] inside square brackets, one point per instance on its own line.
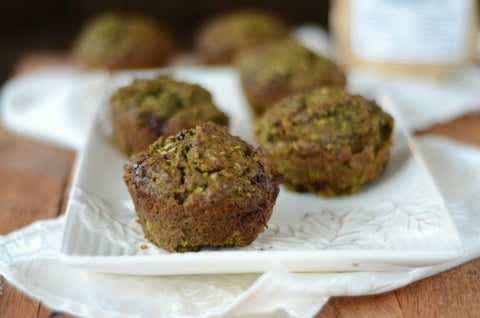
[422, 102]
[54, 104]
[399, 220]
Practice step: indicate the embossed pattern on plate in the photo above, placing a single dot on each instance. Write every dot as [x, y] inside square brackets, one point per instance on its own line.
[399, 220]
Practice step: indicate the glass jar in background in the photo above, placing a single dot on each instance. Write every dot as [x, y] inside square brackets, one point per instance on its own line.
[426, 38]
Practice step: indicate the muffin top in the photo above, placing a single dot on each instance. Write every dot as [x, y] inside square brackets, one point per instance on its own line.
[324, 119]
[225, 35]
[206, 164]
[115, 39]
[144, 96]
[154, 101]
[287, 64]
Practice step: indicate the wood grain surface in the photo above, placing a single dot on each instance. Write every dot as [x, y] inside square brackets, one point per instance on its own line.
[34, 182]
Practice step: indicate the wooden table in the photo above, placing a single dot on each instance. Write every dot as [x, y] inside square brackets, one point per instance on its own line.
[34, 183]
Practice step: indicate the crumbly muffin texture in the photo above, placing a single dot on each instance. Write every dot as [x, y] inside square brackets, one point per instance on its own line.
[276, 70]
[202, 187]
[326, 141]
[123, 41]
[225, 35]
[149, 108]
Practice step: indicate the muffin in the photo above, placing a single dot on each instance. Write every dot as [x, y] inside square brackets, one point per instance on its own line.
[148, 109]
[202, 187]
[326, 141]
[122, 41]
[282, 68]
[221, 38]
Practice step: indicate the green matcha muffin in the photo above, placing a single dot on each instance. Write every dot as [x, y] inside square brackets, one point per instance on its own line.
[123, 41]
[326, 141]
[202, 187]
[147, 109]
[226, 34]
[279, 69]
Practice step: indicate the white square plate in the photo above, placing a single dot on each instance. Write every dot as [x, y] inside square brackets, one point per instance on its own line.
[398, 221]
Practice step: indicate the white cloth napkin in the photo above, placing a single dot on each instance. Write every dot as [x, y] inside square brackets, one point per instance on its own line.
[54, 104]
[28, 257]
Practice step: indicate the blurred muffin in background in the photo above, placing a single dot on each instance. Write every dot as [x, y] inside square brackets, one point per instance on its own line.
[124, 41]
[273, 71]
[224, 35]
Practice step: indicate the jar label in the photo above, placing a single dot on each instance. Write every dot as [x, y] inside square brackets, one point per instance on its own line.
[419, 31]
